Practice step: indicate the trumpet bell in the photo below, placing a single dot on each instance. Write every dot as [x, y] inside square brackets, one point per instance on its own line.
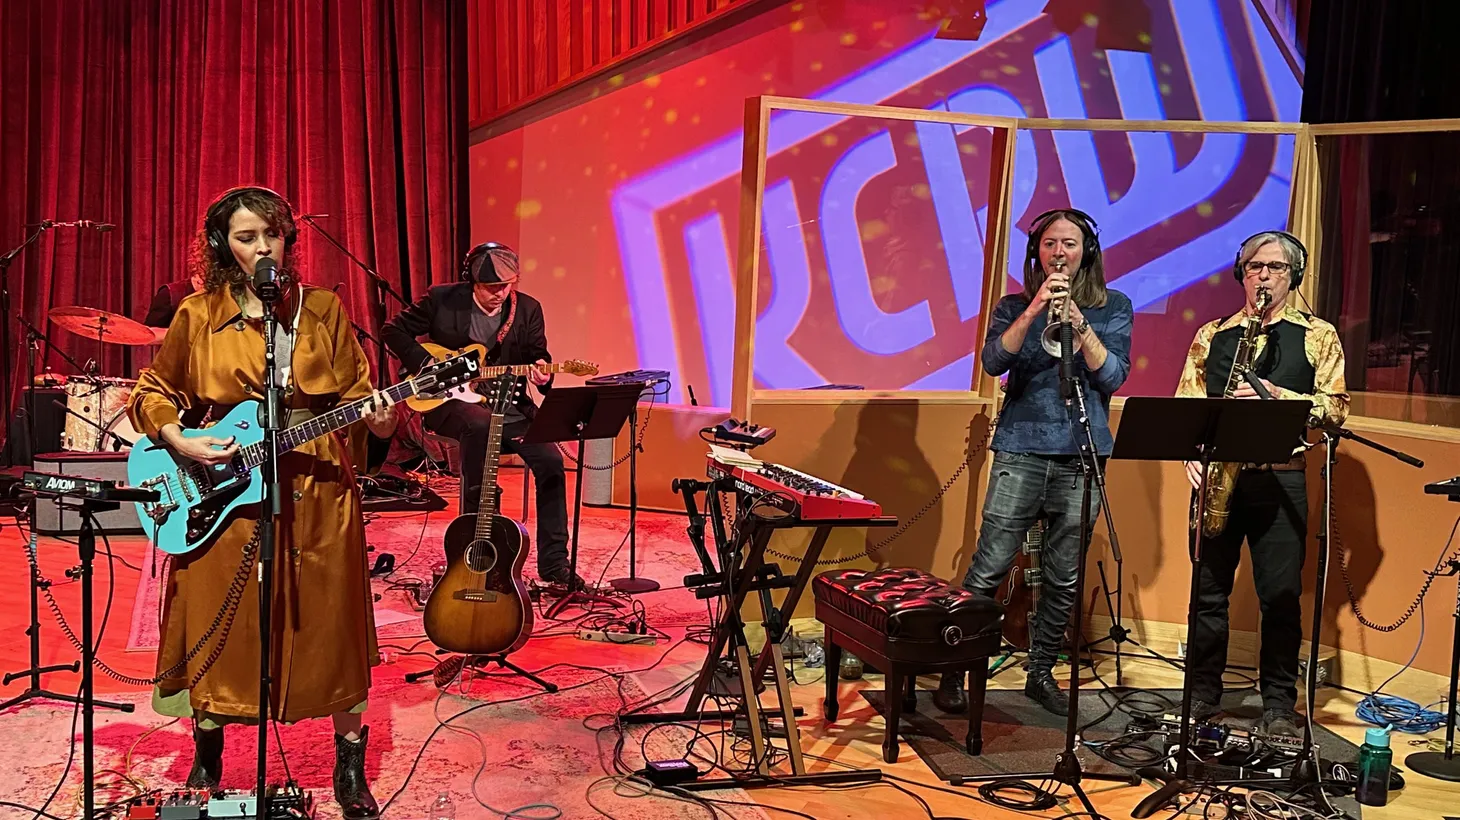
[1050, 339]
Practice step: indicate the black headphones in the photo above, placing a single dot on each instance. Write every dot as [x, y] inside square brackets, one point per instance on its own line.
[476, 253]
[215, 220]
[1091, 250]
[1295, 276]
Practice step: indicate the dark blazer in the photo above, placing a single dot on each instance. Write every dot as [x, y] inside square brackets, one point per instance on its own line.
[165, 302]
[444, 316]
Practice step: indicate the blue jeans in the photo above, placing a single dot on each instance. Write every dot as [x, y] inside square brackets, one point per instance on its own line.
[1021, 486]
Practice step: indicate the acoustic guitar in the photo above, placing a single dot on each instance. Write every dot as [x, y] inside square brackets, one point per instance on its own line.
[480, 606]
[197, 499]
[468, 393]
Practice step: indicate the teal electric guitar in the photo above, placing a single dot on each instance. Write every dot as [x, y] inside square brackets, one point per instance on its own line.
[196, 499]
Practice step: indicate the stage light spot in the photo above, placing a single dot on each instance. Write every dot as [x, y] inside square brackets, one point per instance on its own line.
[670, 116]
[644, 133]
[879, 25]
[588, 171]
[797, 7]
[529, 264]
[695, 120]
[1142, 362]
[1188, 315]
[911, 140]
[1215, 280]
[581, 311]
[1011, 71]
[652, 81]
[542, 165]
[648, 102]
[512, 163]
[1091, 20]
[528, 208]
[968, 148]
[491, 202]
[796, 26]
[616, 80]
[873, 229]
[988, 74]
[560, 272]
[1165, 89]
[883, 285]
[700, 82]
[849, 38]
[828, 140]
[921, 191]
[815, 65]
[1204, 208]
[1165, 68]
[1051, 189]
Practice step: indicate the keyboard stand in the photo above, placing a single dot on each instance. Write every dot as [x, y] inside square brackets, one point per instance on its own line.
[743, 570]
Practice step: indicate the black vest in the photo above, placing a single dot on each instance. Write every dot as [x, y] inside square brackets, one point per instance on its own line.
[1282, 360]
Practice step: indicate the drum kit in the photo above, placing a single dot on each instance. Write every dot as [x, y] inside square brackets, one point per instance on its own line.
[96, 415]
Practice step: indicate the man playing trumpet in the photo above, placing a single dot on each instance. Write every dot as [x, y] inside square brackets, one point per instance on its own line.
[1036, 461]
[1299, 357]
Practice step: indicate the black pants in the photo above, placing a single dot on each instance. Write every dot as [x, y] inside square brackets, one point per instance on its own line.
[1270, 511]
[470, 425]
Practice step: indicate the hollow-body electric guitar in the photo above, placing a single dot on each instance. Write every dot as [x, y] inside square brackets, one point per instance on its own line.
[480, 605]
[467, 393]
[196, 499]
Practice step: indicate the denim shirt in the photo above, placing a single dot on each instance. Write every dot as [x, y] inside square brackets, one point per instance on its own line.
[1034, 418]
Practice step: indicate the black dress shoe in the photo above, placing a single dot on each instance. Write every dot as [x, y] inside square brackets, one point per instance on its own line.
[207, 768]
[1047, 693]
[1201, 710]
[562, 576]
[950, 696]
[351, 792]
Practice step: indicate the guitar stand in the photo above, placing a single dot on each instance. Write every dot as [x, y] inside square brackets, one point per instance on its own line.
[482, 661]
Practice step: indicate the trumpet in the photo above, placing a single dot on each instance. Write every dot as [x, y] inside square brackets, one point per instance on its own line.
[1059, 314]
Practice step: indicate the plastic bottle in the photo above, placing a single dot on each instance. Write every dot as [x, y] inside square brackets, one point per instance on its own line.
[444, 808]
[1375, 757]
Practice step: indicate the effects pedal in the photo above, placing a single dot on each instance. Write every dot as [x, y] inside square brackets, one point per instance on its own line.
[285, 803]
[616, 637]
[742, 432]
[181, 804]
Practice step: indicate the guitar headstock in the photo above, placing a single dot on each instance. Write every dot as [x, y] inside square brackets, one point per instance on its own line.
[501, 392]
[578, 367]
[439, 377]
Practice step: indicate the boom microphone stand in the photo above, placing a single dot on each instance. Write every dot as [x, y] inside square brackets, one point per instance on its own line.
[381, 285]
[5, 374]
[1067, 769]
[270, 292]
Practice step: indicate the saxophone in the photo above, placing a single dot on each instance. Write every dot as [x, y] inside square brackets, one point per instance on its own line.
[1221, 477]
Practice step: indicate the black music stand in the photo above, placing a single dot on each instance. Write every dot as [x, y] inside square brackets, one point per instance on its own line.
[1204, 429]
[578, 414]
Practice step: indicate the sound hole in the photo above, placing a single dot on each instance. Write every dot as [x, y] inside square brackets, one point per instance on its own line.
[481, 556]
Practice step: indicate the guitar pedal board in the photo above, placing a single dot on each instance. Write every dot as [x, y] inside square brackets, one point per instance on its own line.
[285, 803]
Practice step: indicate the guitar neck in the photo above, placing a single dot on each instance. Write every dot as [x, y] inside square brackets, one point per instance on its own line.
[492, 372]
[324, 424]
[487, 499]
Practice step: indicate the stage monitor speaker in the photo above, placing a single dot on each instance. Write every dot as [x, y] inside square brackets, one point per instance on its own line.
[49, 518]
[596, 476]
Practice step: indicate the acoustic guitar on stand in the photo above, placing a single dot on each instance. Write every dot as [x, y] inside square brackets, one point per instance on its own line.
[480, 606]
[468, 393]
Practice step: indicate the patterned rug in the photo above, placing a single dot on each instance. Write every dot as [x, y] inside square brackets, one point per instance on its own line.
[506, 745]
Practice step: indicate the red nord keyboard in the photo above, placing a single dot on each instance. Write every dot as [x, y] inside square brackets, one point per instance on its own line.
[796, 493]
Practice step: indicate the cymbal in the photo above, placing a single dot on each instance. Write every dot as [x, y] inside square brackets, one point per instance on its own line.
[101, 325]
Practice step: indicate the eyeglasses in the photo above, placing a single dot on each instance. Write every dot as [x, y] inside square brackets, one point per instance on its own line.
[1254, 268]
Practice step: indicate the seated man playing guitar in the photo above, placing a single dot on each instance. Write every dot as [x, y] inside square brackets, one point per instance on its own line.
[485, 308]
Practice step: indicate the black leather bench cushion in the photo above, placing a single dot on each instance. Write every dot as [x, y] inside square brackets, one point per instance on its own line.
[907, 604]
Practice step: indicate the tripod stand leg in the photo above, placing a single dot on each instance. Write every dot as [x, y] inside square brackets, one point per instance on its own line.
[501, 660]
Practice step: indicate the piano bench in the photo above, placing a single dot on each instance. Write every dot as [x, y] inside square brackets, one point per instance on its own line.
[906, 623]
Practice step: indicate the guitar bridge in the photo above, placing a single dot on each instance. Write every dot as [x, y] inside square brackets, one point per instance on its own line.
[159, 510]
[475, 596]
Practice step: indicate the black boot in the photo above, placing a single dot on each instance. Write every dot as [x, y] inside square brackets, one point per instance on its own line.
[1043, 689]
[950, 696]
[351, 792]
[207, 768]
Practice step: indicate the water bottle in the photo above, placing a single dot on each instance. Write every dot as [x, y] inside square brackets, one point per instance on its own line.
[444, 808]
[1375, 757]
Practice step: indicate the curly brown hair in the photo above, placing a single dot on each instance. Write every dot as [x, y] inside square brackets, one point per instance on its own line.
[204, 262]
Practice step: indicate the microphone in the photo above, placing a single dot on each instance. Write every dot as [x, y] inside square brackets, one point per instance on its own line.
[314, 216]
[267, 281]
[691, 389]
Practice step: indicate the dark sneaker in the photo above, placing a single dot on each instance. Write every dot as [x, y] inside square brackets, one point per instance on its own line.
[1047, 693]
[1201, 710]
[1281, 722]
[950, 696]
[562, 577]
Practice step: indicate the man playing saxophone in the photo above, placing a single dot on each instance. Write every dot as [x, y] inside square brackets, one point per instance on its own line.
[1295, 356]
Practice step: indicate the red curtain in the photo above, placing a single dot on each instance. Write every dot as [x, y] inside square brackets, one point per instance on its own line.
[139, 113]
